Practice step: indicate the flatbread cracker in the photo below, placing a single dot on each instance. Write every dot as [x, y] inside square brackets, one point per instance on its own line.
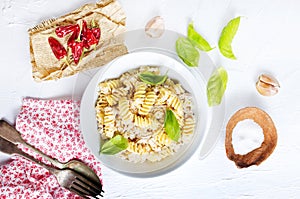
[111, 19]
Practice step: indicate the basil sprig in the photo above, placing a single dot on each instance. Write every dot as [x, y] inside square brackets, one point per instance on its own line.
[187, 52]
[197, 39]
[172, 126]
[216, 86]
[152, 79]
[114, 145]
[227, 36]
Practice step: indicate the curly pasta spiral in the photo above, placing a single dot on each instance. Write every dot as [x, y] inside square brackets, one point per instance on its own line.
[189, 125]
[163, 96]
[113, 98]
[129, 81]
[107, 86]
[149, 100]
[100, 105]
[140, 93]
[174, 102]
[141, 121]
[108, 122]
[162, 138]
[124, 109]
[138, 147]
[100, 119]
[101, 102]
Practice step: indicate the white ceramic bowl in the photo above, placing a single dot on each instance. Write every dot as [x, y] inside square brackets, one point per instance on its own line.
[191, 80]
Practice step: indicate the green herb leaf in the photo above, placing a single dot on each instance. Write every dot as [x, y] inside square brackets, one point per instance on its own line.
[152, 79]
[114, 145]
[216, 86]
[197, 39]
[187, 52]
[172, 126]
[227, 36]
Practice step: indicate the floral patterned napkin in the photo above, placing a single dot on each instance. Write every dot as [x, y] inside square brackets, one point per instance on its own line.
[52, 126]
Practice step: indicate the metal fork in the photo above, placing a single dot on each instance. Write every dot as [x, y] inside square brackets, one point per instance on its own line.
[67, 178]
[10, 134]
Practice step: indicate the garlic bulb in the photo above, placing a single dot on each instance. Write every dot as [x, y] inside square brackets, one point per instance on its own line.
[155, 27]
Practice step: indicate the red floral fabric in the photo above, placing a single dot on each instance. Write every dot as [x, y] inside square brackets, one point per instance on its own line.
[52, 126]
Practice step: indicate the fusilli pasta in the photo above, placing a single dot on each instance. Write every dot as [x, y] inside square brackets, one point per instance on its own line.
[141, 121]
[108, 122]
[136, 110]
[138, 147]
[189, 125]
[125, 112]
[149, 100]
[162, 138]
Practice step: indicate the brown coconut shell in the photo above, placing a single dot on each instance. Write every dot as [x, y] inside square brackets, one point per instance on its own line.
[258, 155]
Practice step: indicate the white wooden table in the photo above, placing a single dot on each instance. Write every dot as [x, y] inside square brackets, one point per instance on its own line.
[267, 41]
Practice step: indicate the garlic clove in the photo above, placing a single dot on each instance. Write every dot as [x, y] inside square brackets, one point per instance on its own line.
[155, 27]
[267, 85]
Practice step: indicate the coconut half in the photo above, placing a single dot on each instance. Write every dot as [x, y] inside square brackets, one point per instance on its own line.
[257, 155]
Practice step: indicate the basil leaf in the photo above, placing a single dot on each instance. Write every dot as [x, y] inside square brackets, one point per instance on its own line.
[216, 86]
[227, 36]
[197, 39]
[152, 79]
[187, 52]
[172, 126]
[114, 145]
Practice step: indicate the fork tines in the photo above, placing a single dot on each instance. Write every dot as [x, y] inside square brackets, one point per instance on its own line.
[84, 188]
